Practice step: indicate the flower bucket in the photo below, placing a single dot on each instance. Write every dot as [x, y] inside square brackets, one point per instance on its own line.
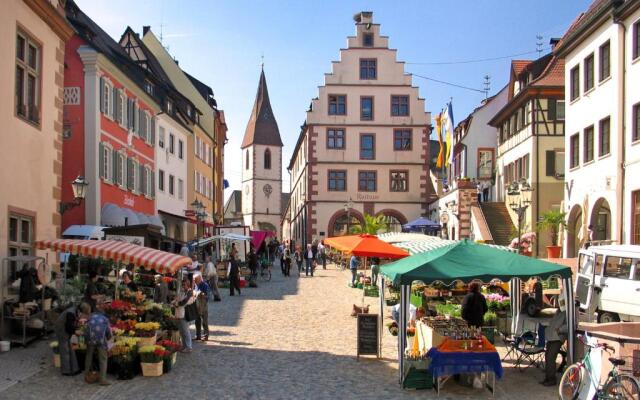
[152, 369]
[175, 337]
[56, 360]
[145, 341]
[168, 363]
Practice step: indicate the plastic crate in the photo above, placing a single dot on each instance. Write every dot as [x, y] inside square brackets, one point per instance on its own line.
[418, 379]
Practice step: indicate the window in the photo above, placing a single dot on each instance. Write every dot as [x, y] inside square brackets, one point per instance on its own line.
[367, 147]
[604, 137]
[148, 87]
[635, 132]
[402, 139]
[588, 72]
[554, 163]
[604, 56]
[367, 181]
[399, 181]
[366, 108]
[267, 159]
[574, 83]
[367, 39]
[27, 78]
[635, 217]
[556, 110]
[588, 144]
[636, 40]
[171, 181]
[169, 107]
[180, 149]
[246, 159]
[180, 189]
[161, 137]
[161, 180]
[574, 151]
[132, 174]
[120, 168]
[172, 148]
[335, 138]
[618, 267]
[21, 238]
[106, 158]
[337, 181]
[368, 68]
[399, 106]
[485, 163]
[150, 187]
[337, 104]
[122, 108]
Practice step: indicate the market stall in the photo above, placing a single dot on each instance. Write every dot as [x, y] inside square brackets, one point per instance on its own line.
[468, 262]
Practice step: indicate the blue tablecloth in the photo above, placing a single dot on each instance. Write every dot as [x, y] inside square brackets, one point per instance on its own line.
[451, 362]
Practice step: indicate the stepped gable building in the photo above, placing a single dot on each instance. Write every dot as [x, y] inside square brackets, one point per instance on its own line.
[364, 147]
[262, 165]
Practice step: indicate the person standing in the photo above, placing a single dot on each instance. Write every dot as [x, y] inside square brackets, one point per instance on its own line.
[375, 269]
[253, 262]
[233, 253]
[65, 327]
[183, 302]
[212, 276]
[555, 335]
[97, 334]
[234, 276]
[298, 256]
[322, 255]
[474, 306]
[161, 291]
[308, 258]
[90, 291]
[353, 266]
[127, 280]
[202, 294]
[287, 262]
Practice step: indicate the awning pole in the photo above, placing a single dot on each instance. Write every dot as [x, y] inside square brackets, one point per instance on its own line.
[571, 318]
[380, 330]
[516, 298]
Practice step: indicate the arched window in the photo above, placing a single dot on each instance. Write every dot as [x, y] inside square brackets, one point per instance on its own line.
[246, 160]
[393, 223]
[341, 227]
[267, 159]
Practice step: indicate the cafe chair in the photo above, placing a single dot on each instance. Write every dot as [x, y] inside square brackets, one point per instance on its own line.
[509, 342]
[528, 352]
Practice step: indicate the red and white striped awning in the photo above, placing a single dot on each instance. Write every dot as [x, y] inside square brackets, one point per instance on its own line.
[122, 252]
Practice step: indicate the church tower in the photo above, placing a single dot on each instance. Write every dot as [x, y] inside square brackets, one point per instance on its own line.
[262, 165]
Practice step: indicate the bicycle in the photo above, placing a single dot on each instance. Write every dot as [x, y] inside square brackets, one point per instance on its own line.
[617, 386]
[265, 271]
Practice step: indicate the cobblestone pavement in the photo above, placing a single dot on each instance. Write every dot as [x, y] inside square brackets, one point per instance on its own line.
[288, 338]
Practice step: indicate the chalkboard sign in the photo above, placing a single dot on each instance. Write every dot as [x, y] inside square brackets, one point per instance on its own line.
[368, 335]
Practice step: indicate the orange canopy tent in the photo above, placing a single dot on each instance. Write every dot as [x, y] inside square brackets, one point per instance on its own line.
[365, 245]
[123, 252]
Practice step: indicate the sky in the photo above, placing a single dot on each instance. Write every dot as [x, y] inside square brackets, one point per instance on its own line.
[223, 44]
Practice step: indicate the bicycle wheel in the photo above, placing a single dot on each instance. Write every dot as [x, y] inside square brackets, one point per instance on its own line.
[571, 382]
[623, 387]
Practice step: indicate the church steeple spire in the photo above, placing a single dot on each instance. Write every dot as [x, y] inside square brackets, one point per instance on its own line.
[262, 127]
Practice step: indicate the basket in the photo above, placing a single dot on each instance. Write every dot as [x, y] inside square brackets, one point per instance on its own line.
[152, 369]
[147, 341]
[56, 360]
[168, 363]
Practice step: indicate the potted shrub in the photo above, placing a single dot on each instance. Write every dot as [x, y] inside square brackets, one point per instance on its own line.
[146, 331]
[152, 360]
[56, 353]
[552, 221]
[489, 325]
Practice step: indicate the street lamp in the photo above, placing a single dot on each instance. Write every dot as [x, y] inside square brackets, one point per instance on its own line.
[347, 208]
[79, 187]
[519, 194]
[200, 215]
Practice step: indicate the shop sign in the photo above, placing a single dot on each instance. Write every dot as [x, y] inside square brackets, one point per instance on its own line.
[368, 335]
[129, 201]
[364, 197]
[139, 240]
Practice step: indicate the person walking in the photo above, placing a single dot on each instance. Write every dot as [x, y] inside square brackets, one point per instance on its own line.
[65, 327]
[322, 255]
[97, 334]
[253, 262]
[202, 293]
[287, 262]
[185, 313]
[298, 256]
[375, 270]
[474, 306]
[308, 258]
[555, 334]
[211, 274]
[353, 266]
[233, 273]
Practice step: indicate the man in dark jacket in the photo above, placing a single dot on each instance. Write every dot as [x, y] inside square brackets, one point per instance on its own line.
[474, 306]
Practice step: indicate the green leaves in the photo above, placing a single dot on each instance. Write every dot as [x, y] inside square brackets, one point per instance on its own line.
[372, 225]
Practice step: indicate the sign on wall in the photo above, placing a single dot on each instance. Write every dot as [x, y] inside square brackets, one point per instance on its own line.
[139, 240]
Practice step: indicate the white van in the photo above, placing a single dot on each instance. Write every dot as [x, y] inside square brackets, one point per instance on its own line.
[608, 283]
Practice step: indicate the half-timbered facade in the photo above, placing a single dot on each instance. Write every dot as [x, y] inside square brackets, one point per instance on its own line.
[531, 137]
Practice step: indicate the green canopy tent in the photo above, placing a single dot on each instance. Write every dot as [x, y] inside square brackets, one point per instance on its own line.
[467, 261]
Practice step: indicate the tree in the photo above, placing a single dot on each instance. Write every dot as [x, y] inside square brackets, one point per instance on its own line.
[372, 225]
[552, 221]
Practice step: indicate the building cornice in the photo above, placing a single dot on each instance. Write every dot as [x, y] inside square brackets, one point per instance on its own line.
[47, 12]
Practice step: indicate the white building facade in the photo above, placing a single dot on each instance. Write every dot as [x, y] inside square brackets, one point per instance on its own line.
[602, 75]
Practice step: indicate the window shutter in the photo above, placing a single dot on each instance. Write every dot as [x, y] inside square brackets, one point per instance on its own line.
[551, 162]
[152, 178]
[114, 169]
[114, 102]
[551, 104]
[101, 95]
[101, 160]
[130, 183]
[135, 117]
[152, 134]
[141, 124]
[141, 180]
[129, 113]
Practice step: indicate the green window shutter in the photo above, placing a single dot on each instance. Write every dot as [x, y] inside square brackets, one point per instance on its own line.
[101, 95]
[101, 160]
[141, 179]
[114, 102]
[152, 134]
[114, 164]
[129, 113]
[551, 162]
[130, 172]
[135, 117]
[152, 178]
[552, 112]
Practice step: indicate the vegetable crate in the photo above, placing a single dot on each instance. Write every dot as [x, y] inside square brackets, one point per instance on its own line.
[418, 379]
[371, 291]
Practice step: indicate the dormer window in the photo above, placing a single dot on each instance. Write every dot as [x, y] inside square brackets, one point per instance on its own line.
[148, 87]
[190, 111]
[169, 107]
[367, 39]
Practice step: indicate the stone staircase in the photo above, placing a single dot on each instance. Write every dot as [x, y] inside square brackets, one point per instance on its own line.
[499, 222]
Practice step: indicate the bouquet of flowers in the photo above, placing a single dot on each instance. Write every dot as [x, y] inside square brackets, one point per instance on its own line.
[153, 312]
[146, 329]
[152, 354]
[525, 243]
[127, 326]
[169, 346]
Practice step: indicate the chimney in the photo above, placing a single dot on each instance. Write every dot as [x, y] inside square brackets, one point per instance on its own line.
[363, 17]
[145, 29]
[553, 42]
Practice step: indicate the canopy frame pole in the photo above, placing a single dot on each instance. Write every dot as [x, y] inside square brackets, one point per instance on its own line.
[380, 325]
[515, 293]
[571, 318]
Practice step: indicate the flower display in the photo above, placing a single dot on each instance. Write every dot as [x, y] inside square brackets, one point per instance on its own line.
[151, 353]
[525, 242]
[125, 325]
[169, 346]
[146, 329]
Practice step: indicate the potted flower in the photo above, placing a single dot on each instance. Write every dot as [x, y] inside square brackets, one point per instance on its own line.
[55, 347]
[146, 331]
[151, 360]
[124, 354]
[552, 221]
[171, 351]
[524, 244]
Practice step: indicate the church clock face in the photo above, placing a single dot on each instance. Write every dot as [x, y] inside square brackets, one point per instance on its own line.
[267, 189]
